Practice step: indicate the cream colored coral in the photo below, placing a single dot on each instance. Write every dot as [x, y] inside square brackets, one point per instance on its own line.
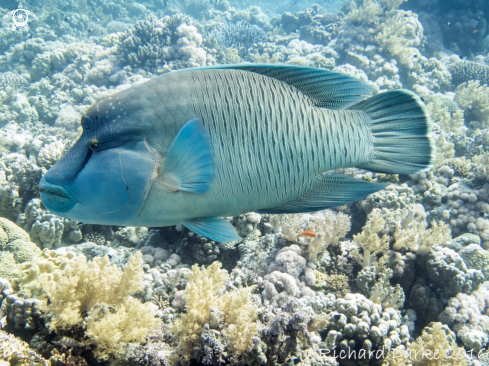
[50, 153]
[400, 34]
[288, 224]
[420, 240]
[328, 226]
[206, 304]
[110, 327]
[385, 295]
[329, 229]
[446, 114]
[367, 14]
[370, 240]
[444, 149]
[239, 319]
[95, 292]
[29, 276]
[82, 285]
[473, 97]
[434, 347]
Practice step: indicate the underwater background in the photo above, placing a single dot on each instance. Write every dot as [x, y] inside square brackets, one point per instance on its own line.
[400, 277]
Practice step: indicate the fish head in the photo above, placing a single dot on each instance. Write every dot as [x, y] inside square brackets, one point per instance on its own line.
[104, 177]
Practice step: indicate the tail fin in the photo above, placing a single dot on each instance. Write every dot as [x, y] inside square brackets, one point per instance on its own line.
[401, 128]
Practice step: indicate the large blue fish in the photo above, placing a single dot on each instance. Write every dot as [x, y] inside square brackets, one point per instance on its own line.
[193, 146]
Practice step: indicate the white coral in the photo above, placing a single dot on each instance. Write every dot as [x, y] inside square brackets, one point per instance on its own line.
[188, 45]
[50, 154]
[290, 261]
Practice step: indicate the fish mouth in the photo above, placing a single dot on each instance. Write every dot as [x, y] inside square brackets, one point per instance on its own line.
[55, 198]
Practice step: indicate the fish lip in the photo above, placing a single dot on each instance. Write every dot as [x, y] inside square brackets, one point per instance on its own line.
[55, 198]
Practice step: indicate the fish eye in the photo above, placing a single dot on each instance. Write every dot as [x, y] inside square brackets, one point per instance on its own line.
[93, 144]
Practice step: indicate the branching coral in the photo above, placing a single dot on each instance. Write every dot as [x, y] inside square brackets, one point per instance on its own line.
[82, 285]
[96, 293]
[208, 306]
[288, 224]
[415, 237]
[110, 327]
[239, 317]
[400, 34]
[328, 226]
[370, 241]
[464, 71]
[444, 148]
[474, 99]
[434, 347]
[385, 295]
[446, 113]
[367, 14]
[239, 36]
[337, 284]
[14, 351]
[329, 229]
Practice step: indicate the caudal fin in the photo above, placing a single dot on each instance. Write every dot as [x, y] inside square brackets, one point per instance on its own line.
[401, 127]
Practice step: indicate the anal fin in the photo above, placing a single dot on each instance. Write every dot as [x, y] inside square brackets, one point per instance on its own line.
[213, 228]
[331, 190]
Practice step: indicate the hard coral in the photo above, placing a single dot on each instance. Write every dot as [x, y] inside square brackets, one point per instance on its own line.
[446, 113]
[16, 352]
[464, 71]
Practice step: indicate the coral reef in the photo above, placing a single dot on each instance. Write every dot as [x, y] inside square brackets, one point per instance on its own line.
[232, 314]
[467, 316]
[374, 275]
[14, 351]
[45, 229]
[73, 290]
[464, 71]
[240, 36]
[473, 98]
[435, 346]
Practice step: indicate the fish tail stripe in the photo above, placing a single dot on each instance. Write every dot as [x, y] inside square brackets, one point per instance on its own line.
[401, 129]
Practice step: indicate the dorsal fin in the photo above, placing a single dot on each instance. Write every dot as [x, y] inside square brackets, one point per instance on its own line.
[327, 89]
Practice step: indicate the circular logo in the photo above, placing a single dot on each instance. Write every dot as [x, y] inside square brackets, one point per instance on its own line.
[20, 18]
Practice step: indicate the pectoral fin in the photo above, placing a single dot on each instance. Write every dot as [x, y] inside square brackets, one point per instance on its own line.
[213, 228]
[189, 164]
[331, 190]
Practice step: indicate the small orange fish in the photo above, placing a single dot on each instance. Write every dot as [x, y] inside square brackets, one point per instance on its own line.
[475, 31]
[308, 233]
